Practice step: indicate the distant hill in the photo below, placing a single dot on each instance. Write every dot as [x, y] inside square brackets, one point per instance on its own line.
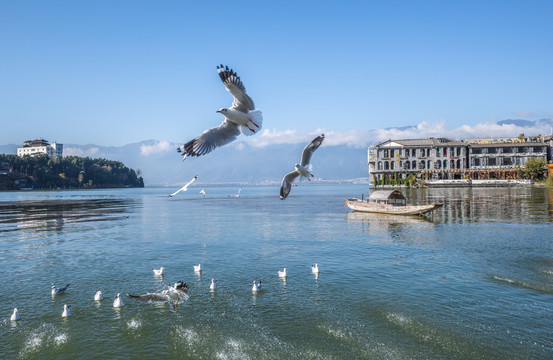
[526, 123]
[236, 162]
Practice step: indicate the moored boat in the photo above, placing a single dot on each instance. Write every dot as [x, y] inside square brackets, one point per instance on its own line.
[388, 202]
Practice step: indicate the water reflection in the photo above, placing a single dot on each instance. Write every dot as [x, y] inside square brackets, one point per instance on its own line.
[464, 205]
[385, 222]
[54, 215]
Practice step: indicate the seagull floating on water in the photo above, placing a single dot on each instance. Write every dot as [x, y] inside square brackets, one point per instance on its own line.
[98, 296]
[282, 273]
[56, 290]
[240, 117]
[185, 187]
[15, 316]
[315, 269]
[202, 192]
[236, 195]
[301, 168]
[118, 302]
[213, 285]
[159, 272]
[256, 287]
[66, 311]
[197, 268]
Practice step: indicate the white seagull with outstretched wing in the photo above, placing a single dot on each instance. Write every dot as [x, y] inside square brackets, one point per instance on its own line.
[240, 117]
[301, 168]
[185, 187]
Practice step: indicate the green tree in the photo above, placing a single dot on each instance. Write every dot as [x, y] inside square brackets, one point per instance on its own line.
[534, 169]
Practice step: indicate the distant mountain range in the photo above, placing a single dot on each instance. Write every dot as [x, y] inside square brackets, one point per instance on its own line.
[244, 162]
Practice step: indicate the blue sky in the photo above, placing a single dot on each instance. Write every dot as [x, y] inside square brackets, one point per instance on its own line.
[117, 72]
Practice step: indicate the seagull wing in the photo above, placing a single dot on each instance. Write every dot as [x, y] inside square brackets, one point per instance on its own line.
[310, 149]
[150, 297]
[234, 85]
[286, 184]
[185, 187]
[211, 139]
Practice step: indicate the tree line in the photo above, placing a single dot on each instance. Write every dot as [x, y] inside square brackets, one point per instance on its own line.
[43, 172]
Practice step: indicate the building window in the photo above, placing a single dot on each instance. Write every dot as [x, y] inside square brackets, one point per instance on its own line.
[422, 165]
[445, 152]
[406, 152]
[386, 165]
[414, 164]
[438, 164]
[452, 164]
[379, 167]
[458, 164]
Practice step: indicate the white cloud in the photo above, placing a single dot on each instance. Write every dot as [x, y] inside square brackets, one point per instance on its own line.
[160, 147]
[74, 151]
[362, 138]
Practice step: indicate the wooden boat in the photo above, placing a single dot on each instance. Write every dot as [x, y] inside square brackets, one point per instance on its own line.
[388, 202]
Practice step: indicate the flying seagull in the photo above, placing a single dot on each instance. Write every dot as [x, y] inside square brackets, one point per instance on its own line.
[151, 297]
[185, 187]
[177, 292]
[301, 168]
[240, 117]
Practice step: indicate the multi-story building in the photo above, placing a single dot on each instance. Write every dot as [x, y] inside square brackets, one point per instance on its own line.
[39, 147]
[443, 158]
[439, 158]
[501, 158]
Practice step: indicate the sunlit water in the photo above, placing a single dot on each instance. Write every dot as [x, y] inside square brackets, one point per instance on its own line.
[475, 281]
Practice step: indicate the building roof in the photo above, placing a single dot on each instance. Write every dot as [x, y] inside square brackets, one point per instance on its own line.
[430, 142]
[36, 142]
[497, 145]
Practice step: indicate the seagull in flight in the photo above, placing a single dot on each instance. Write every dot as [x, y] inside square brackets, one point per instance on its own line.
[177, 292]
[185, 187]
[151, 297]
[301, 169]
[240, 117]
[235, 195]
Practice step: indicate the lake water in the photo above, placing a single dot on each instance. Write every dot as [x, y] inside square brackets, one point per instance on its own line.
[475, 281]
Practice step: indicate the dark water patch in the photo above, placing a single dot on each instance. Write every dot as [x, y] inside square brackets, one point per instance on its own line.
[47, 215]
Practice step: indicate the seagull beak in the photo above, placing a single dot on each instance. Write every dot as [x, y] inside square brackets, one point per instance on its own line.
[218, 111]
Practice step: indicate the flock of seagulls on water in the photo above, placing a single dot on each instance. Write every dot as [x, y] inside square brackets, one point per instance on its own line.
[242, 117]
[173, 294]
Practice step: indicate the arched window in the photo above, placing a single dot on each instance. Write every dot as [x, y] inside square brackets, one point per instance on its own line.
[452, 165]
[406, 165]
[458, 164]
[438, 164]
[380, 165]
[422, 164]
[429, 164]
[445, 164]
[406, 152]
[386, 166]
[414, 164]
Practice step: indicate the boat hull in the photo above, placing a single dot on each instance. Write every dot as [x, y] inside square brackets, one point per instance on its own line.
[363, 206]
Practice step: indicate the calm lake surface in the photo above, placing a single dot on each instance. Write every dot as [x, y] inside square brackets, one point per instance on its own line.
[475, 281]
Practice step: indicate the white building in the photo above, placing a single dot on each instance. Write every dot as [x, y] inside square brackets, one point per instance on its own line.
[39, 147]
